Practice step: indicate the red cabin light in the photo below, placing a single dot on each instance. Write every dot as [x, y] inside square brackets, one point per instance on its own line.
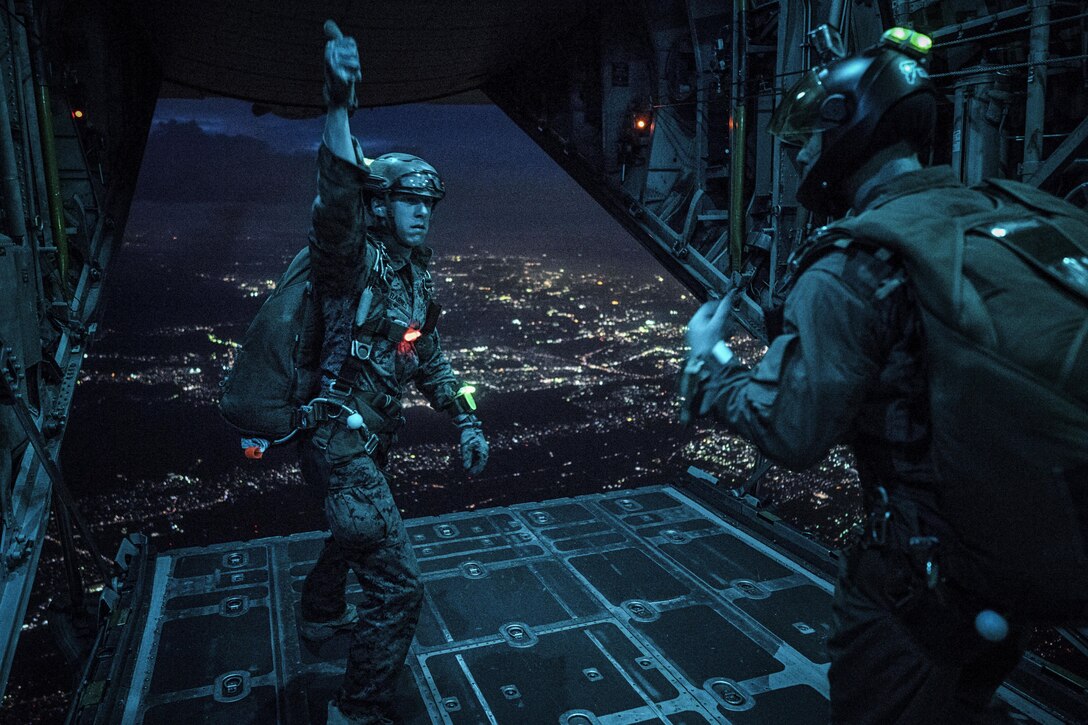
[412, 335]
[77, 113]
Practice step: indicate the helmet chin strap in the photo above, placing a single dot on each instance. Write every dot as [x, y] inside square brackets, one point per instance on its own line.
[389, 227]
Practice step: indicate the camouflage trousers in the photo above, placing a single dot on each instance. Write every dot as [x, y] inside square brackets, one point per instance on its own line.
[368, 537]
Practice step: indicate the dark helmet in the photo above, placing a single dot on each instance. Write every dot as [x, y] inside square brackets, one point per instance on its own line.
[398, 173]
[860, 104]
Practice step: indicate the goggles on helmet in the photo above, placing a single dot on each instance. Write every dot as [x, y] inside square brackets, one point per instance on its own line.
[419, 183]
[801, 113]
[808, 108]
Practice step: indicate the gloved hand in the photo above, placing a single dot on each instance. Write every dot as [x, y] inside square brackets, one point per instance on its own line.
[341, 68]
[711, 323]
[473, 444]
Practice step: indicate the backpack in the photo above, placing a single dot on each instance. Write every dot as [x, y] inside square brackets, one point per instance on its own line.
[275, 370]
[1000, 273]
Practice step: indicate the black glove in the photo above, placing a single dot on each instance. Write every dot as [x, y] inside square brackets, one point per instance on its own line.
[341, 68]
[474, 446]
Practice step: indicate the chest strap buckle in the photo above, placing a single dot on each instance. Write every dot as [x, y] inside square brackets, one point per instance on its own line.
[360, 350]
[371, 443]
[340, 389]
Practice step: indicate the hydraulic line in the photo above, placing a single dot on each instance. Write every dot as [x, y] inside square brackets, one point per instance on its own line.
[52, 180]
[736, 188]
[738, 129]
[44, 104]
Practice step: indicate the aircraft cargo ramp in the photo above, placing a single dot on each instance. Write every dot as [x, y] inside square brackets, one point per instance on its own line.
[642, 606]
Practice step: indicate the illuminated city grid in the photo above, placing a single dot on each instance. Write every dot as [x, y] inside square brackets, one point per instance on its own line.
[575, 364]
[598, 349]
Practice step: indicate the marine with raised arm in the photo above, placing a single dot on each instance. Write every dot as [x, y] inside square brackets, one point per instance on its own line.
[369, 266]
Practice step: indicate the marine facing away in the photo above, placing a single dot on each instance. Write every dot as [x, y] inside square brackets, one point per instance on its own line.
[377, 303]
[940, 331]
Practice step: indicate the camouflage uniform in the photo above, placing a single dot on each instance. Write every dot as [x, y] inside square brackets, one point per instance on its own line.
[367, 532]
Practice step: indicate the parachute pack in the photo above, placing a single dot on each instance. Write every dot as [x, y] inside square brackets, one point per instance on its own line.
[270, 391]
[1001, 276]
[275, 370]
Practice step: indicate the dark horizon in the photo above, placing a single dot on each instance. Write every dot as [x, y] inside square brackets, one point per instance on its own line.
[214, 170]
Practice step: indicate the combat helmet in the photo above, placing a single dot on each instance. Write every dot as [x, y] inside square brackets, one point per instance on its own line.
[397, 173]
[860, 103]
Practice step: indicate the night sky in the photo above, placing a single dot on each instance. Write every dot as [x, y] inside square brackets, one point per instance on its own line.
[212, 168]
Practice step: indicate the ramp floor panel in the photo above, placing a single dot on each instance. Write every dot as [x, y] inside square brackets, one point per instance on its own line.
[628, 607]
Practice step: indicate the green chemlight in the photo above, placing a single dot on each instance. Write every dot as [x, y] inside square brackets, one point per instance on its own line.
[905, 36]
[466, 392]
[921, 42]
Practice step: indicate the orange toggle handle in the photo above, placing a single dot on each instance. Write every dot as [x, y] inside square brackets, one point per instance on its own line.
[254, 452]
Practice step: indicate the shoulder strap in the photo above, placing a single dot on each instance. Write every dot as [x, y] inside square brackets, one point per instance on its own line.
[827, 239]
[1033, 198]
[824, 241]
[372, 264]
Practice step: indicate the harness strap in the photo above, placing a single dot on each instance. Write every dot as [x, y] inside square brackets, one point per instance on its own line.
[823, 241]
[394, 331]
[382, 327]
[430, 322]
[383, 403]
[332, 407]
[346, 385]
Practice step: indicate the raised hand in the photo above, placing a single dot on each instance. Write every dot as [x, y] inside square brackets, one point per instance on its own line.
[342, 67]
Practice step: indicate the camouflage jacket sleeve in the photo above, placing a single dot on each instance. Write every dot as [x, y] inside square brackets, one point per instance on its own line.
[338, 233]
[804, 396]
[435, 378]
